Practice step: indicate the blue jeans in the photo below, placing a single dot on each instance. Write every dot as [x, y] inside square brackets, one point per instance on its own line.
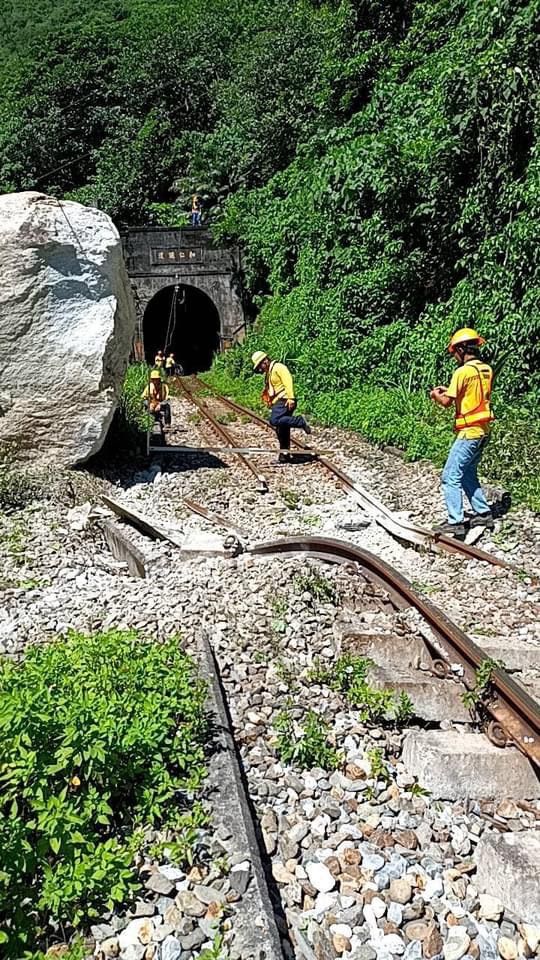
[282, 421]
[460, 475]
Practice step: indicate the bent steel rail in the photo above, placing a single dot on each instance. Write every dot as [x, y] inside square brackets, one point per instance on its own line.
[511, 707]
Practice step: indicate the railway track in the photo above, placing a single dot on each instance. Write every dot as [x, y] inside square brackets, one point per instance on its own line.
[515, 716]
[403, 530]
[517, 722]
[252, 702]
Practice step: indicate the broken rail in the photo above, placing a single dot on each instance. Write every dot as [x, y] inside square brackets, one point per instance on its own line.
[515, 715]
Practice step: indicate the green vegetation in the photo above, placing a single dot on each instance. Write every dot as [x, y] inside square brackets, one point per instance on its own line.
[379, 770]
[377, 162]
[476, 698]
[349, 676]
[305, 745]
[101, 737]
[316, 584]
[18, 486]
[132, 419]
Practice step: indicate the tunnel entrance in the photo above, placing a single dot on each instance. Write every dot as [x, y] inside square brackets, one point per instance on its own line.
[183, 319]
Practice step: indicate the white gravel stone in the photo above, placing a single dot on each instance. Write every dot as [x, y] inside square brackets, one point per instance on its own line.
[320, 877]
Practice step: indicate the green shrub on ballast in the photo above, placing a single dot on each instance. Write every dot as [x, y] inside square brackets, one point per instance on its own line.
[100, 738]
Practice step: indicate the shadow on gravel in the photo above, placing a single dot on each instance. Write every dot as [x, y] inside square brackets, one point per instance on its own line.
[502, 506]
[129, 468]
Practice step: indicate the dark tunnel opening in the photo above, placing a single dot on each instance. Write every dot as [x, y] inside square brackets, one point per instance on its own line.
[182, 319]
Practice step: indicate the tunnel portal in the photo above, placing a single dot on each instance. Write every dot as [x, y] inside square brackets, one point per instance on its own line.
[182, 319]
[209, 309]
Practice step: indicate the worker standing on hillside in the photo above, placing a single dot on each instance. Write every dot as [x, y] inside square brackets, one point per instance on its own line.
[196, 213]
[470, 391]
[278, 394]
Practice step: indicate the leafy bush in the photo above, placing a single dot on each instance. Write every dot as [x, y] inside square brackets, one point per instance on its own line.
[305, 745]
[349, 676]
[100, 737]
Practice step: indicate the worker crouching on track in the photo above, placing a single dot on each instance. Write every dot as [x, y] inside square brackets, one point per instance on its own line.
[156, 397]
[470, 391]
[278, 394]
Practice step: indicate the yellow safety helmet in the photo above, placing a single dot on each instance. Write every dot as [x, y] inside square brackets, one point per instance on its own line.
[155, 375]
[258, 358]
[465, 335]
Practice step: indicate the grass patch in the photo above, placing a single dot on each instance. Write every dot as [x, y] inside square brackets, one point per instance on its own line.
[305, 745]
[131, 421]
[101, 738]
[316, 584]
[349, 676]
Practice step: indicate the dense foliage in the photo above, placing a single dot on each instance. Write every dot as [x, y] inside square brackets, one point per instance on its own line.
[377, 162]
[100, 737]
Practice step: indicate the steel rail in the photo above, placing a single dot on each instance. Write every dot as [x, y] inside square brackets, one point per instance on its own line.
[515, 713]
[400, 529]
[511, 707]
[223, 433]
[213, 516]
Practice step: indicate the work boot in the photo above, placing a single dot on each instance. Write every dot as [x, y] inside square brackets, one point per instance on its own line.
[456, 530]
[483, 520]
[306, 427]
[283, 458]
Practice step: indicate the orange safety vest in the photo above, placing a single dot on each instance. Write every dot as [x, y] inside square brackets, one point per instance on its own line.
[482, 412]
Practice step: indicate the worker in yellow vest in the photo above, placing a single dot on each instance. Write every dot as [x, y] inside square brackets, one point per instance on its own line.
[159, 360]
[156, 397]
[278, 394]
[470, 392]
[170, 365]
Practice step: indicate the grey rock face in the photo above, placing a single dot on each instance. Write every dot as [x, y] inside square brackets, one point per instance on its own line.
[67, 321]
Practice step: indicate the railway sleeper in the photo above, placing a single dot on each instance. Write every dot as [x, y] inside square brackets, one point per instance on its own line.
[452, 764]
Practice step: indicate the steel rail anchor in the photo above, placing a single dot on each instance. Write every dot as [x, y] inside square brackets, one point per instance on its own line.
[515, 711]
[224, 434]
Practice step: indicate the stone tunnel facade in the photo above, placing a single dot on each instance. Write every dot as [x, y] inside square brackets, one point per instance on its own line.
[158, 257]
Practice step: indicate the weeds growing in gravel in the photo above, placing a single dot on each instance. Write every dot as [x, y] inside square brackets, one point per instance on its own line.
[349, 676]
[18, 486]
[305, 745]
[317, 585]
[100, 737]
[291, 499]
[482, 691]
[379, 770]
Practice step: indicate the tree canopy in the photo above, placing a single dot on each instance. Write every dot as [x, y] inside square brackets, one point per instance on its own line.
[378, 162]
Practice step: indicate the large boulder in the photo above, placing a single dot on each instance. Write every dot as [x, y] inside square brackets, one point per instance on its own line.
[67, 322]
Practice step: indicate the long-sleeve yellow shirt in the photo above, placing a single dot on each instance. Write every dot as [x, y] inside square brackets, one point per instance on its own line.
[279, 382]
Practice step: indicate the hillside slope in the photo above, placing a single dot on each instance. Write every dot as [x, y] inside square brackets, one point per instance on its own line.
[377, 162]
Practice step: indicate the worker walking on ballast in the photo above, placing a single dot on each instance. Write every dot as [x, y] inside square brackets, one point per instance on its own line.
[278, 394]
[470, 391]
